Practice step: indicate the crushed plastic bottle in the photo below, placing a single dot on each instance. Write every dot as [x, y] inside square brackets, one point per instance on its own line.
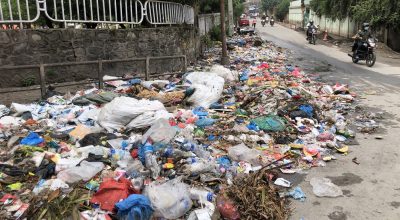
[201, 194]
[151, 161]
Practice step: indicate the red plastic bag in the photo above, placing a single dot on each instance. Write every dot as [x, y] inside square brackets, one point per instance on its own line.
[112, 191]
[227, 208]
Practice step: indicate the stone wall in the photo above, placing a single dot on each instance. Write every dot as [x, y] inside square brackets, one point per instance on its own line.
[25, 47]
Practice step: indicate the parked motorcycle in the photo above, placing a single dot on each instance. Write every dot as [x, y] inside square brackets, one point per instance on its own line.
[312, 37]
[272, 22]
[263, 22]
[366, 51]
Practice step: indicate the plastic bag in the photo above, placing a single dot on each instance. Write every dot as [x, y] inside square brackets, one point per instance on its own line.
[227, 208]
[160, 131]
[136, 207]
[223, 72]
[85, 172]
[242, 153]
[169, 200]
[323, 187]
[208, 88]
[32, 139]
[122, 110]
[148, 118]
[270, 123]
[112, 191]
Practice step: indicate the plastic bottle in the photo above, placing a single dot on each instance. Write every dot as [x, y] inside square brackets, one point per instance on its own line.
[196, 149]
[201, 194]
[151, 161]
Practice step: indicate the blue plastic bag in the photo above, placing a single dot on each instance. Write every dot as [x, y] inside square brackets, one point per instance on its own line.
[204, 122]
[136, 206]
[32, 139]
[308, 109]
[298, 194]
[200, 111]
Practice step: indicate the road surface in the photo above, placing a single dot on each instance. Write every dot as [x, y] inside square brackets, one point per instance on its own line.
[372, 188]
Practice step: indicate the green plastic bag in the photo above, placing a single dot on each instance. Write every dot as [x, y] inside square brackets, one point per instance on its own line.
[272, 123]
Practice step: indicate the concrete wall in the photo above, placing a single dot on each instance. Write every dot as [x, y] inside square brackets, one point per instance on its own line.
[207, 21]
[25, 47]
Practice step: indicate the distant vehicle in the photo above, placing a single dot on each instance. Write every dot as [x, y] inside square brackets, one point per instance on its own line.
[244, 21]
[272, 22]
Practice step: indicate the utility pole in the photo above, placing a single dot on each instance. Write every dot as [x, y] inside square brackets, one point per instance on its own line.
[230, 18]
[224, 57]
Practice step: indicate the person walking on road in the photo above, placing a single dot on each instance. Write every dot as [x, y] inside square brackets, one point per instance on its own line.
[254, 23]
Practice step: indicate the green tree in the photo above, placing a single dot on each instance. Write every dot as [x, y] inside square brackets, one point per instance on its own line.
[269, 5]
[282, 9]
[378, 12]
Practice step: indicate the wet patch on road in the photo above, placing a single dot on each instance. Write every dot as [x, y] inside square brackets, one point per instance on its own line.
[316, 203]
[338, 214]
[347, 193]
[395, 204]
[345, 179]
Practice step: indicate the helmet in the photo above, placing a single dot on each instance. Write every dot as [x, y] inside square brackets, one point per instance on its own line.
[365, 26]
[311, 22]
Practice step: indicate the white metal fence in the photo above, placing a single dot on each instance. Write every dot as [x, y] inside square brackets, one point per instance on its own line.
[95, 11]
[158, 12]
[19, 11]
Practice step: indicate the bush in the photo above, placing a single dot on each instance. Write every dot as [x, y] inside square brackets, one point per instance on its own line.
[28, 81]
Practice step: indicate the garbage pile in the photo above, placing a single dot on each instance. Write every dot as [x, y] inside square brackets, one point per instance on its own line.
[213, 143]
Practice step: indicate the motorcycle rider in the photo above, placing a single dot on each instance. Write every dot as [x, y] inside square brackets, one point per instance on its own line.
[263, 19]
[360, 37]
[310, 27]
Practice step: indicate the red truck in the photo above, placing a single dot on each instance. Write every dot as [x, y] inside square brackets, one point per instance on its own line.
[244, 21]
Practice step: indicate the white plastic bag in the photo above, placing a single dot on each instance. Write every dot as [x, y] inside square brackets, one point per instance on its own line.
[223, 72]
[169, 200]
[323, 187]
[121, 110]
[208, 88]
[242, 153]
[85, 172]
[148, 118]
[160, 131]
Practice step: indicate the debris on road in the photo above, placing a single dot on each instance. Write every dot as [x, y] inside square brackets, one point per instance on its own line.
[205, 144]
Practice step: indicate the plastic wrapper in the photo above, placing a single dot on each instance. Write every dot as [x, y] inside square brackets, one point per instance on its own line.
[170, 200]
[85, 172]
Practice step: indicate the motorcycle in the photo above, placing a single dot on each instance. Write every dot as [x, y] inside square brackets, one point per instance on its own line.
[263, 22]
[366, 51]
[272, 22]
[312, 37]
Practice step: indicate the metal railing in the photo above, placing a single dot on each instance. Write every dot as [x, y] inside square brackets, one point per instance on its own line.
[189, 14]
[19, 11]
[94, 11]
[40, 68]
[158, 12]
[131, 12]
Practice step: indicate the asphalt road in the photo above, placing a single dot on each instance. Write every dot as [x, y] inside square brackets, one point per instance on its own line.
[372, 188]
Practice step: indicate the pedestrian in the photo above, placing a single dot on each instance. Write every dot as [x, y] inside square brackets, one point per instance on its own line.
[254, 23]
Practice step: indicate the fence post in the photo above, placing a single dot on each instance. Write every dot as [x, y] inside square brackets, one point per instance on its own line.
[184, 64]
[100, 74]
[42, 80]
[147, 73]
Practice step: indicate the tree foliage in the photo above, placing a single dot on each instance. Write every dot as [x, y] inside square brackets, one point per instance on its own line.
[282, 9]
[269, 5]
[377, 12]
